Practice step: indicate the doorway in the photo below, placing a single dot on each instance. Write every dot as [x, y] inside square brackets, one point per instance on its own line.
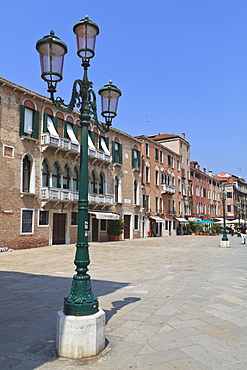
[59, 227]
[127, 226]
[95, 229]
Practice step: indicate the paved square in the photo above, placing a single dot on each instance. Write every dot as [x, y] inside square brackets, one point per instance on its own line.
[170, 303]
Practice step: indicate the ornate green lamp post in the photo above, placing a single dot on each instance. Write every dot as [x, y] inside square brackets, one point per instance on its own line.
[224, 240]
[81, 300]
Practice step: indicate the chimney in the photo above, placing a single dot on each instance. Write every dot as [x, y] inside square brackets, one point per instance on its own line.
[205, 170]
[183, 135]
[210, 173]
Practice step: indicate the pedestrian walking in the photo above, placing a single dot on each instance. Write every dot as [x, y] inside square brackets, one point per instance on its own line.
[232, 230]
[243, 233]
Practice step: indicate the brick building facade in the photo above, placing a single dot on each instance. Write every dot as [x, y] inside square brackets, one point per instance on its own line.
[39, 161]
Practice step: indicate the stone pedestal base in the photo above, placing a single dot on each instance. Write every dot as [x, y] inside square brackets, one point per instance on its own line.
[80, 336]
[225, 244]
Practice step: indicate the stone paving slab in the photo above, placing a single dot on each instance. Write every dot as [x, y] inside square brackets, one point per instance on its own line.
[171, 303]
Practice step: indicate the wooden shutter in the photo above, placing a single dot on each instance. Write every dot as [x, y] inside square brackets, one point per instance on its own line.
[120, 153]
[22, 118]
[45, 122]
[35, 124]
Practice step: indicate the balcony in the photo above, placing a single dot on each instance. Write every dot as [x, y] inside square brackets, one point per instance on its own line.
[47, 140]
[61, 143]
[100, 199]
[64, 195]
[167, 189]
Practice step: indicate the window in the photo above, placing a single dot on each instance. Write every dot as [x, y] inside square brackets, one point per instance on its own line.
[147, 173]
[156, 154]
[147, 149]
[43, 218]
[103, 225]
[93, 187]
[29, 122]
[136, 222]
[135, 192]
[161, 210]
[8, 151]
[144, 200]
[135, 159]
[161, 156]
[178, 165]
[147, 203]
[75, 181]
[26, 174]
[116, 189]
[179, 185]
[116, 152]
[27, 221]
[229, 194]
[157, 204]
[55, 177]
[156, 177]
[170, 161]
[74, 218]
[45, 174]
[50, 125]
[71, 131]
[101, 184]
[229, 208]
[66, 178]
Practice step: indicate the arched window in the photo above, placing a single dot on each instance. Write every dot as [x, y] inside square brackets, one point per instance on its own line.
[66, 177]
[75, 183]
[55, 177]
[93, 183]
[45, 174]
[101, 184]
[135, 192]
[26, 174]
[116, 189]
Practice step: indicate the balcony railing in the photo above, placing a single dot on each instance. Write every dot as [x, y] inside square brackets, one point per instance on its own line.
[59, 194]
[168, 189]
[59, 142]
[101, 199]
[65, 144]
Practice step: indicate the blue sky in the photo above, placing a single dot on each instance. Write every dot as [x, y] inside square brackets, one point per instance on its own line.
[181, 66]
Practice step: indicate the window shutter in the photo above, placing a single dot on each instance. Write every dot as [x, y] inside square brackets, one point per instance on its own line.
[91, 133]
[100, 146]
[107, 142]
[65, 134]
[139, 159]
[133, 159]
[75, 129]
[45, 122]
[113, 150]
[120, 154]
[36, 124]
[22, 118]
[54, 120]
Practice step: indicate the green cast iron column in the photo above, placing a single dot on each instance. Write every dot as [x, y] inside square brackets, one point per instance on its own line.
[224, 238]
[81, 300]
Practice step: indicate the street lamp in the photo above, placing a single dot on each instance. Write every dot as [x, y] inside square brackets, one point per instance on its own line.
[81, 301]
[224, 240]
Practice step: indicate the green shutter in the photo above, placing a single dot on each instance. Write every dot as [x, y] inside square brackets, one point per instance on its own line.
[139, 159]
[113, 150]
[54, 120]
[22, 119]
[107, 142]
[45, 122]
[35, 124]
[65, 134]
[120, 154]
[133, 159]
[75, 129]
[91, 133]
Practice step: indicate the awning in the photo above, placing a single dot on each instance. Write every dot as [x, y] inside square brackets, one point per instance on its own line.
[104, 215]
[181, 220]
[157, 219]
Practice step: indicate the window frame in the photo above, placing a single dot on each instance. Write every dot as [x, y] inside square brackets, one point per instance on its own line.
[21, 223]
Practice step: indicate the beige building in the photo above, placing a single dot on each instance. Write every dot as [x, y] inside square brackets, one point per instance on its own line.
[39, 161]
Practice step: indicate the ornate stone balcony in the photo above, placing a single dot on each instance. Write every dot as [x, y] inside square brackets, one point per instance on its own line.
[167, 189]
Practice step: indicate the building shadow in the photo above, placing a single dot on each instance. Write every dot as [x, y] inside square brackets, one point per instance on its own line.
[28, 314]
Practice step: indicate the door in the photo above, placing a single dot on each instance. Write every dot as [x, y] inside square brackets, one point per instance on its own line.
[126, 227]
[95, 229]
[59, 226]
